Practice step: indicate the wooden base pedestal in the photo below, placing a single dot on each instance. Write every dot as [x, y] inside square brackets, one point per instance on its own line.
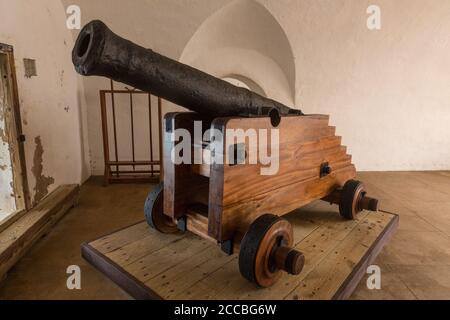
[151, 265]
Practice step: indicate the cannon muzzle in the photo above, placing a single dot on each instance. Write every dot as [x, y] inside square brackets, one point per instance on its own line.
[98, 51]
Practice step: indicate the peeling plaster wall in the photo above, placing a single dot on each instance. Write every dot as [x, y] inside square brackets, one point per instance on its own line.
[7, 201]
[42, 182]
[387, 91]
[50, 102]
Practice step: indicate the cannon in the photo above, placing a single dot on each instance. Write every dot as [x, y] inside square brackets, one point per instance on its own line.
[224, 189]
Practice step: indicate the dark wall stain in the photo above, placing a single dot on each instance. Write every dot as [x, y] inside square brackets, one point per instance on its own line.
[24, 115]
[61, 78]
[42, 182]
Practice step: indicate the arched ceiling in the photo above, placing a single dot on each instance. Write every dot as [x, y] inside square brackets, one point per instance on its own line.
[244, 38]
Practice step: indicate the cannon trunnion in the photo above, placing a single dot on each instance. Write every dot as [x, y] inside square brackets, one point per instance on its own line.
[231, 202]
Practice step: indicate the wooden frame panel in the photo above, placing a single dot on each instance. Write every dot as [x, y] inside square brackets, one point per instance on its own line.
[113, 168]
[239, 193]
[182, 187]
[16, 140]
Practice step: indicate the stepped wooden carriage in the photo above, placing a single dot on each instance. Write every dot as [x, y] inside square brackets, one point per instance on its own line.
[231, 202]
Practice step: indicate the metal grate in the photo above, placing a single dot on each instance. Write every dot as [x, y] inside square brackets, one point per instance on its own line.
[130, 170]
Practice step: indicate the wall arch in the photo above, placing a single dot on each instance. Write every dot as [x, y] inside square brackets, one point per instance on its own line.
[241, 81]
[243, 39]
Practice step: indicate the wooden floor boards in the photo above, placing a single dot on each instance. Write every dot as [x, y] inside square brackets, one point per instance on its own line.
[415, 263]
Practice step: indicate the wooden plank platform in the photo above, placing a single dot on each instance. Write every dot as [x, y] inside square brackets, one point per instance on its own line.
[150, 265]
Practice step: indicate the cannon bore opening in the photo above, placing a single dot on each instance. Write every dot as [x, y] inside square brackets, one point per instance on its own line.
[84, 44]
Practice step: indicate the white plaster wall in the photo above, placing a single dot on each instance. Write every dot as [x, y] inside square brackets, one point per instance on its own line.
[387, 91]
[50, 104]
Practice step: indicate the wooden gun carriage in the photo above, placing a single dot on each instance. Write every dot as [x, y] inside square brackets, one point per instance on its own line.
[230, 202]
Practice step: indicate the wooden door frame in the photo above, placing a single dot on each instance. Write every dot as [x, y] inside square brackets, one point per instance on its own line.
[13, 125]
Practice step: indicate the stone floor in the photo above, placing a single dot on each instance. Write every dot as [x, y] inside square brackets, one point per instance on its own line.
[414, 265]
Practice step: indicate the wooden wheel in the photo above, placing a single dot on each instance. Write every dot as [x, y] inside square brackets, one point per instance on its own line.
[153, 210]
[266, 249]
[353, 200]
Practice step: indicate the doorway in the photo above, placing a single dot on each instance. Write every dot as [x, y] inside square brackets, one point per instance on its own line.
[14, 197]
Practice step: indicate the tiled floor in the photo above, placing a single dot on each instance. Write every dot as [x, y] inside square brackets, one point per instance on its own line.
[415, 264]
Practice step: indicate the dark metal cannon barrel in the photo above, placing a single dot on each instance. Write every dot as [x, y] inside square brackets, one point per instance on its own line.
[99, 51]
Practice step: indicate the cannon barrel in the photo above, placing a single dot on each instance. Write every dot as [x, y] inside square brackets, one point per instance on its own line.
[98, 51]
